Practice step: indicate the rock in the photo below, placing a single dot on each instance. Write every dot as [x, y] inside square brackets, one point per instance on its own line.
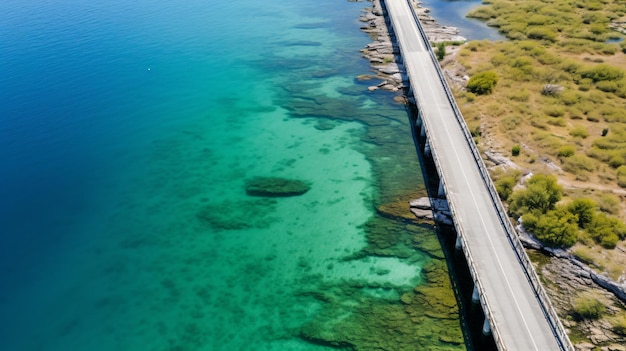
[500, 160]
[423, 214]
[421, 203]
[432, 209]
[390, 68]
[275, 187]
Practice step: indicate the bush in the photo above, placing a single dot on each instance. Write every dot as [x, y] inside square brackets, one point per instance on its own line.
[577, 163]
[441, 51]
[542, 193]
[554, 110]
[505, 185]
[606, 230]
[482, 83]
[520, 95]
[607, 86]
[515, 150]
[587, 306]
[603, 72]
[556, 228]
[584, 210]
[541, 33]
[566, 151]
[579, 131]
[570, 97]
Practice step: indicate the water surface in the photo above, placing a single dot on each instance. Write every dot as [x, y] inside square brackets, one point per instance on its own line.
[127, 133]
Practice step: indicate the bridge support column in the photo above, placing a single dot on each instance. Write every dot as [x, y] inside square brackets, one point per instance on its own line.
[440, 191]
[423, 131]
[486, 327]
[418, 123]
[427, 151]
[458, 245]
[475, 295]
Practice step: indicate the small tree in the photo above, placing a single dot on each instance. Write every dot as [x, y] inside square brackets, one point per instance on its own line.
[542, 193]
[584, 210]
[505, 185]
[482, 83]
[515, 150]
[441, 51]
[556, 228]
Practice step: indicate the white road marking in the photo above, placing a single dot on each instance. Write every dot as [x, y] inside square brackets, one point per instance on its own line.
[456, 153]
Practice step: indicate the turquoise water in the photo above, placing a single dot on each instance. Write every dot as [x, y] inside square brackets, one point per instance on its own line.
[128, 130]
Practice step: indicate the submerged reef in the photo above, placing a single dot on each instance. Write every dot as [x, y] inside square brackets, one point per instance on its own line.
[425, 317]
[234, 215]
[276, 187]
[362, 315]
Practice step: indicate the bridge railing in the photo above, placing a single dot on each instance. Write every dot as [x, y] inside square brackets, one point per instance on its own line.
[457, 222]
[548, 309]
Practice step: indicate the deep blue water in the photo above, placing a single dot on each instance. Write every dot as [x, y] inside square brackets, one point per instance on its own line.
[127, 129]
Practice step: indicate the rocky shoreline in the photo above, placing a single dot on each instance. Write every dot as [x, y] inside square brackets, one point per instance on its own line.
[383, 53]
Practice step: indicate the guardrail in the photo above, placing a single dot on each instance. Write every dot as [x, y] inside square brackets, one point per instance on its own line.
[548, 309]
[457, 223]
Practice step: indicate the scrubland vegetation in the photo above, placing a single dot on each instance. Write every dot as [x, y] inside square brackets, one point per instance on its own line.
[561, 91]
[553, 97]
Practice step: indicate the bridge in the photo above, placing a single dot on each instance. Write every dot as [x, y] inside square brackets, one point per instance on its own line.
[517, 310]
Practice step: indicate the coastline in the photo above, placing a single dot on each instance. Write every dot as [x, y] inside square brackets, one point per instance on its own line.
[564, 275]
[382, 53]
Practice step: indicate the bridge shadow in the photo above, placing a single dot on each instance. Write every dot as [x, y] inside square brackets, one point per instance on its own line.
[471, 314]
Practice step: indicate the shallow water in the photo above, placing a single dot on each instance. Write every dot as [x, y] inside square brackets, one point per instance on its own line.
[454, 12]
[127, 132]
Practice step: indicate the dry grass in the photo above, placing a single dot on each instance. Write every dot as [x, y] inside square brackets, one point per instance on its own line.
[550, 124]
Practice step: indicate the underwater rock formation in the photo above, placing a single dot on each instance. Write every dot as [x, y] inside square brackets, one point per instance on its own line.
[276, 187]
[237, 215]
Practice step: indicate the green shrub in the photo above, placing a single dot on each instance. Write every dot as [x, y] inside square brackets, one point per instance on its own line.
[505, 185]
[521, 95]
[542, 193]
[577, 163]
[584, 209]
[558, 121]
[607, 86]
[621, 176]
[515, 150]
[598, 28]
[579, 132]
[556, 228]
[570, 97]
[566, 151]
[616, 161]
[603, 72]
[441, 51]
[587, 306]
[482, 83]
[606, 230]
[541, 33]
[554, 110]
[529, 221]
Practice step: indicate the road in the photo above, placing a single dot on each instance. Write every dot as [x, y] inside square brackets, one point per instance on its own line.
[515, 313]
